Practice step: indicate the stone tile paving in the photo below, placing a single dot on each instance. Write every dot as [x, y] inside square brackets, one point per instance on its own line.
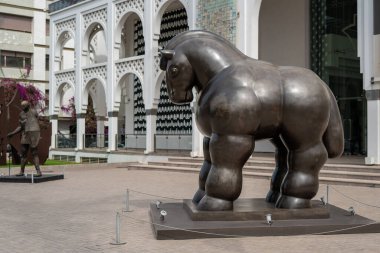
[78, 215]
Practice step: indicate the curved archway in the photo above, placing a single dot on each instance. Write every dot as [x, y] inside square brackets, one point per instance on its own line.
[94, 108]
[94, 44]
[171, 118]
[131, 108]
[95, 88]
[65, 109]
[129, 36]
[164, 8]
[64, 51]
[64, 92]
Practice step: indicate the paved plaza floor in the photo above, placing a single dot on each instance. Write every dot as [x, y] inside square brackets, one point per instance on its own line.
[77, 214]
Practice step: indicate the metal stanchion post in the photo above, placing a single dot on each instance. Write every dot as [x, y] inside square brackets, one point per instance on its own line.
[117, 239]
[32, 175]
[127, 202]
[327, 194]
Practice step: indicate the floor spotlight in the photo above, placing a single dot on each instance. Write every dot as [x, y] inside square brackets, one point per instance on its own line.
[158, 203]
[269, 219]
[163, 213]
[351, 210]
[323, 201]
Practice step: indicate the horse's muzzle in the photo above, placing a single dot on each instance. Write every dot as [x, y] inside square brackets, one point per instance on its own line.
[181, 97]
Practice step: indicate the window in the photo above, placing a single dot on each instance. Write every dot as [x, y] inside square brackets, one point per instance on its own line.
[15, 23]
[47, 62]
[10, 59]
[47, 28]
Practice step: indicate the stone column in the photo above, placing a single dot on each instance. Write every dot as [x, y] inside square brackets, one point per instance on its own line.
[54, 131]
[81, 130]
[373, 127]
[247, 39]
[112, 130]
[112, 105]
[368, 51]
[149, 81]
[100, 134]
[151, 117]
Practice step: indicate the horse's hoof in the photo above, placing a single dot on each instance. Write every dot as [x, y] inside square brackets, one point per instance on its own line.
[208, 203]
[198, 196]
[289, 202]
[272, 196]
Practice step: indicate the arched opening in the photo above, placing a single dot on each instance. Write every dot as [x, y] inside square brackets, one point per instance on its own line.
[174, 122]
[96, 124]
[130, 36]
[132, 116]
[95, 48]
[66, 135]
[65, 52]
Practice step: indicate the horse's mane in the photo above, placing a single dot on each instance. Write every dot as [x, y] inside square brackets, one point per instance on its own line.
[196, 34]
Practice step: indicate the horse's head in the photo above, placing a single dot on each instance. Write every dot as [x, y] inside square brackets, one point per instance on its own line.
[179, 76]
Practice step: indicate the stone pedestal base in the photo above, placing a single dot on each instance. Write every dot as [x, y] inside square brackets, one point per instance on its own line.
[249, 220]
[28, 178]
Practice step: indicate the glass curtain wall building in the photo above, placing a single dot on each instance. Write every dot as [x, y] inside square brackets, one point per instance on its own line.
[334, 57]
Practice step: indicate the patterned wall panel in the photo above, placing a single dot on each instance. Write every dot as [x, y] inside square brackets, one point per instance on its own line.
[98, 72]
[65, 76]
[158, 4]
[124, 6]
[218, 16]
[65, 25]
[95, 16]
[128, 66]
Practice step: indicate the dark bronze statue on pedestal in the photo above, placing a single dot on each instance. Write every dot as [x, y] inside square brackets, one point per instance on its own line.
[30, 136]
[241, 100]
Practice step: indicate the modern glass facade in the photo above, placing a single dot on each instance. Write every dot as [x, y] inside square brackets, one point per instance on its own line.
[334, 57]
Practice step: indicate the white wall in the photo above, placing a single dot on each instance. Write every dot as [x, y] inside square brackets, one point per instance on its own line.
[284, 32]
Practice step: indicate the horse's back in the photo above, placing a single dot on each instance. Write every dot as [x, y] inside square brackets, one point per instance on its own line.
[306, 104]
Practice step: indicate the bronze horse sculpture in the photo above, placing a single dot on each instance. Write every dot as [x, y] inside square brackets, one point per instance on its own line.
[241, 100]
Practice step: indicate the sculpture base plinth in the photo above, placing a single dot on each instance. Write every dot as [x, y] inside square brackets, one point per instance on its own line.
[256, 209]
[28, 178]
[178, 223]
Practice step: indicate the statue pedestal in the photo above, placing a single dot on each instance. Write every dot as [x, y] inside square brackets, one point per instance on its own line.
[248, 218]
[28, 178]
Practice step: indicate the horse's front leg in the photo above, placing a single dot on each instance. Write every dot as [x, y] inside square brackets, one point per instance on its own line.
[204, 171]
[224, 182]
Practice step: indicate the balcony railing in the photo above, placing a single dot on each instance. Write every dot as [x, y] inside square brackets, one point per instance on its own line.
[66, 140]
[95, 141]
[132, 141]
[173, 142]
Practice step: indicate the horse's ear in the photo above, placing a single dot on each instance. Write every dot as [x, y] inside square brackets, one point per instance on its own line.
[165, 56]
[168, 54]
[163, 63]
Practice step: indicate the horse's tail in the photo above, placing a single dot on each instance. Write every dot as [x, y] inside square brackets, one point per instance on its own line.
[333, 137]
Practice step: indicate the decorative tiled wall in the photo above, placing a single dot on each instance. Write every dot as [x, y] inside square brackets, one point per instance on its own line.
[218, 16]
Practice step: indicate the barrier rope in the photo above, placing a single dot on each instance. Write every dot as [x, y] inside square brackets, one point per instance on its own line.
[241, 236]
[153, 195]
[348, 197]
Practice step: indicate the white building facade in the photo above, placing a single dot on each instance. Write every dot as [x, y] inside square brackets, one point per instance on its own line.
[24, 40]
[114, 67]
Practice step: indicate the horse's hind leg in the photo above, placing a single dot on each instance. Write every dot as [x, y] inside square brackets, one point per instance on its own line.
[301, 183]
[224, 182]
[204, 171]
[280, 170]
